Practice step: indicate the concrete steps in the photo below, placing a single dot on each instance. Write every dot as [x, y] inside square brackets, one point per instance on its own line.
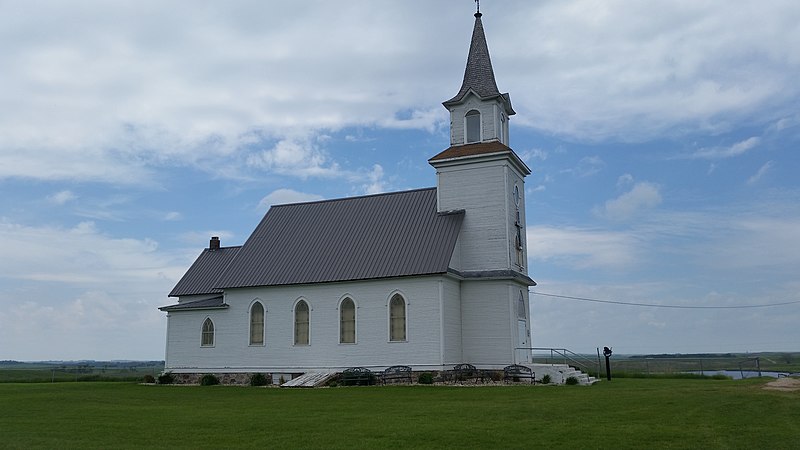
[560, 372]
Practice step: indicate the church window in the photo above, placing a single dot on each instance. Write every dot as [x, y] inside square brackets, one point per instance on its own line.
[207, 336]
[503, 129]
[301, 323]
[257, 324]
[397, 318]
[347, 321]
[521, 306]
[473, 124]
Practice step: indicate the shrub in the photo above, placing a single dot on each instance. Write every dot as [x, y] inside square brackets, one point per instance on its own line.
[425, 378]
[166, 378]
[149, 379]
[571, 381]
[546, 379]
[259, 379]
[209, 379]
[281, 380]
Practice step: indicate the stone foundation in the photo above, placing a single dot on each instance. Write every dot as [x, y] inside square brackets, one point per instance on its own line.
[241, 379]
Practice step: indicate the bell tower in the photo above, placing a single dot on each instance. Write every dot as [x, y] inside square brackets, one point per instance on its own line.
[480, 174]
[479, 112]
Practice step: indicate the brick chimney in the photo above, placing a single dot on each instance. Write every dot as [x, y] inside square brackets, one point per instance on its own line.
[214, 243]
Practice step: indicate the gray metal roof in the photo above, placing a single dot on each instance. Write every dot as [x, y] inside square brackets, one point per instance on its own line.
[209, 303]
[202, 276]
[376, 236]
[479, 75]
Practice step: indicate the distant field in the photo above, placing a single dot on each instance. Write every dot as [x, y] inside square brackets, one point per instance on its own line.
[637, 365]
[39, 372]
[624, 413]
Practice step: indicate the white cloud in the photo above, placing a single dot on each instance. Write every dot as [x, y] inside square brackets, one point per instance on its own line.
[582, 248]
[66, 287]
[173, 216]
[283, 196]
[736, 149]
[112, 93]
[625, 180]
[299, 156]
[587, 166]
[81, 255]
[376, 183]
[62, 197]
[754, 245]
[762, 171]
[642, 196]
[534, 153]
[617, 69]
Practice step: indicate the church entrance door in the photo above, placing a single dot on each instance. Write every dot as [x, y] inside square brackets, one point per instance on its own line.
[523, 352]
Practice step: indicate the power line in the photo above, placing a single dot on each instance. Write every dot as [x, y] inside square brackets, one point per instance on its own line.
[650, 305]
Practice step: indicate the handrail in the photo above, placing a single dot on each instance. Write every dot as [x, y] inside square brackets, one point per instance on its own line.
[583, 362]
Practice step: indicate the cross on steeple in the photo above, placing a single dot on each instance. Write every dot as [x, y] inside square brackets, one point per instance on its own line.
[478, 6]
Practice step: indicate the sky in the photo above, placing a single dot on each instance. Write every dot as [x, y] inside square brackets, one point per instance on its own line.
[663, 141]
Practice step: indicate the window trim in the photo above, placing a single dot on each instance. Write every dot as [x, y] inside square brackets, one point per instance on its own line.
[521, 308]
[402, 297]
[263, 324]
[204, 332]
[469, 114]
[341, 319]
[295, 323]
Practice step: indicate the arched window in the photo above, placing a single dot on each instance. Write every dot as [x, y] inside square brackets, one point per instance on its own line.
[503, 129]
[473, 124]
[207, 336]
[347, 321]
[257, 324]
[397, 318]
[301, 323]
[521, 306]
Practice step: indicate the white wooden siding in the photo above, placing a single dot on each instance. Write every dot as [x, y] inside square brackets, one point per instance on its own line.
[487, 331]
[513, 177]
[452, 321]
[480, 189]
[231, 351]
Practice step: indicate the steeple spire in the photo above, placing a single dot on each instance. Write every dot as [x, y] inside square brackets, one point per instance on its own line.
[479, 112]
[479, 75]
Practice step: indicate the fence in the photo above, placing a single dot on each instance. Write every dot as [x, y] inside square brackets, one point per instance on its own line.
[697, 365]
[622, 365]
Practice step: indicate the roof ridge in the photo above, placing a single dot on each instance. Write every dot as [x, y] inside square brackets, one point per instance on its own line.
[356, 197]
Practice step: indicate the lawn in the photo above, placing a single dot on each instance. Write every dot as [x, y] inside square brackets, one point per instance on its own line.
[624, 413]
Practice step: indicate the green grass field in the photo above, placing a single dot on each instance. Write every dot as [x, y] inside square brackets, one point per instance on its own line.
[625, 413]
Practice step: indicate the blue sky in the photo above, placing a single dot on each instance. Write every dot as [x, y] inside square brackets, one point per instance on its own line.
[663, 143]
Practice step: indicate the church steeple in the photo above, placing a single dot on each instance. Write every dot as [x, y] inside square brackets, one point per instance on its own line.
[479, 104]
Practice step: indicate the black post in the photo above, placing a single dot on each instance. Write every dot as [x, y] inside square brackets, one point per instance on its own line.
[607, 353]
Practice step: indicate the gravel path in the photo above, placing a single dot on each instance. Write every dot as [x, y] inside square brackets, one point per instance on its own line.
[784, 384]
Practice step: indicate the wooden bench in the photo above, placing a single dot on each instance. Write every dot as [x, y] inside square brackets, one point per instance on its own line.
[397, 374]
[515, 372]
[464, 372]
[357, 376]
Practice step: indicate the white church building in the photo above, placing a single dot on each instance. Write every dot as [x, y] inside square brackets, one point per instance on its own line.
[427, 278]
